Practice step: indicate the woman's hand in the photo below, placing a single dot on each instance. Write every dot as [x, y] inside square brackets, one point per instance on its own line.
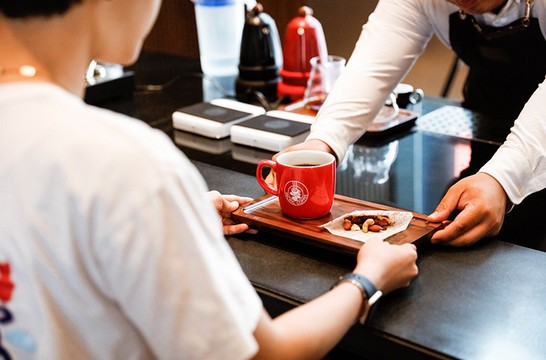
[225, 205]
[387, 266]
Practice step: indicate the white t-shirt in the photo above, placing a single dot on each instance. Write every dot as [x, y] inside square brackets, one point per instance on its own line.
[111, 245]
[520, 163]
[395, 35]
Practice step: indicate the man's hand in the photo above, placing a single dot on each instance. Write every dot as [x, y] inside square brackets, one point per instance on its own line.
[307, 145]
[482, 202]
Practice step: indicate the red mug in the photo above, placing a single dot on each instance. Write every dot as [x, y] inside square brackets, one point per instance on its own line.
[306, 182]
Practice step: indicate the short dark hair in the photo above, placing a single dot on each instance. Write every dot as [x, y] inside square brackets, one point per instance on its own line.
[28, 8]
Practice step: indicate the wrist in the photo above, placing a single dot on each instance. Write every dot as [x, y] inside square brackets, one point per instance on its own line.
[370, 294]
[371, 272]
[509, 204]
[317, 144]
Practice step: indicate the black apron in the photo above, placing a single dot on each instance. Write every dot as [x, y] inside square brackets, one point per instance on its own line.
[503, 71]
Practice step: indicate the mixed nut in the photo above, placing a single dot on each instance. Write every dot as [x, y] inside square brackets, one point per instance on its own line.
[365, 223]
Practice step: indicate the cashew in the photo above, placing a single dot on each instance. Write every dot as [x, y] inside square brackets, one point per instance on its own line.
[366, 224]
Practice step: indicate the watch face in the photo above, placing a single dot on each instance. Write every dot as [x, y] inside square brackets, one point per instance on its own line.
[368, 305]
[375, 297]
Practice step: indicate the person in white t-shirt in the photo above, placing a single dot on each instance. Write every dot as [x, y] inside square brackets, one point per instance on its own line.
[110, 247]
[516, 170]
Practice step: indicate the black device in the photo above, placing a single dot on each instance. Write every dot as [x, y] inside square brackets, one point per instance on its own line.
[260, 59]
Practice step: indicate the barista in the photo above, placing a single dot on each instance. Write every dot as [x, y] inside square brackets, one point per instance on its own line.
[502, 42]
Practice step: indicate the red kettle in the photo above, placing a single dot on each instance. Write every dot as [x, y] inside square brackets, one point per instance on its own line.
[303, 40]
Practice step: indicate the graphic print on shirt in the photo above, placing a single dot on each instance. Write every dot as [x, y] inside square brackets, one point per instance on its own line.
[6, 290]
[18, 338]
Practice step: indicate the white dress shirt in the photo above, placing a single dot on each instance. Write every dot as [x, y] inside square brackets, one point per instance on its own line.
[395, 35]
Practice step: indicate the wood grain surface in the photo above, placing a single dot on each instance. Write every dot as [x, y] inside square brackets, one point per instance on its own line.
[265, 214]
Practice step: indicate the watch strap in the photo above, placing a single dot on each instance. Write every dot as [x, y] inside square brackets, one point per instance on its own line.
[370, 294]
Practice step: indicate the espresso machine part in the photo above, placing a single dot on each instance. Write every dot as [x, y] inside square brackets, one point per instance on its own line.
[261, 57]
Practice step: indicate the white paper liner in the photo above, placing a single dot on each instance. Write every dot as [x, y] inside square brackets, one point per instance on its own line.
[401, 221]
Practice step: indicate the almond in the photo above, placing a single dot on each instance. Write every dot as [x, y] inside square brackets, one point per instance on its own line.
[375, 228]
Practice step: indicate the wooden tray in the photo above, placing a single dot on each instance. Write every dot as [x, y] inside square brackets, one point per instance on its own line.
[265, 214]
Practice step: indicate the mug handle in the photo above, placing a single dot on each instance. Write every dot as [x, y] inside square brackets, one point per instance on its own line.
[266, 163]
[416, 96]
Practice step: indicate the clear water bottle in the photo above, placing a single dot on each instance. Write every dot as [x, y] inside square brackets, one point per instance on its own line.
[219, 29]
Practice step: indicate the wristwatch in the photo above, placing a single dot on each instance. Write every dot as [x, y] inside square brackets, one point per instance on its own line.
[370, 294]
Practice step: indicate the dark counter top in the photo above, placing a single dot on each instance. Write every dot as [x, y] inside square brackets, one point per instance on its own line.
[481, 302]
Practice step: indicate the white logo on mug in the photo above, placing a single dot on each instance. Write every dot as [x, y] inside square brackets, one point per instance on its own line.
[296, 193]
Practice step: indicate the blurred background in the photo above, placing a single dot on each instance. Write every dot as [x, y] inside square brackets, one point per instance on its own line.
[175, 32]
